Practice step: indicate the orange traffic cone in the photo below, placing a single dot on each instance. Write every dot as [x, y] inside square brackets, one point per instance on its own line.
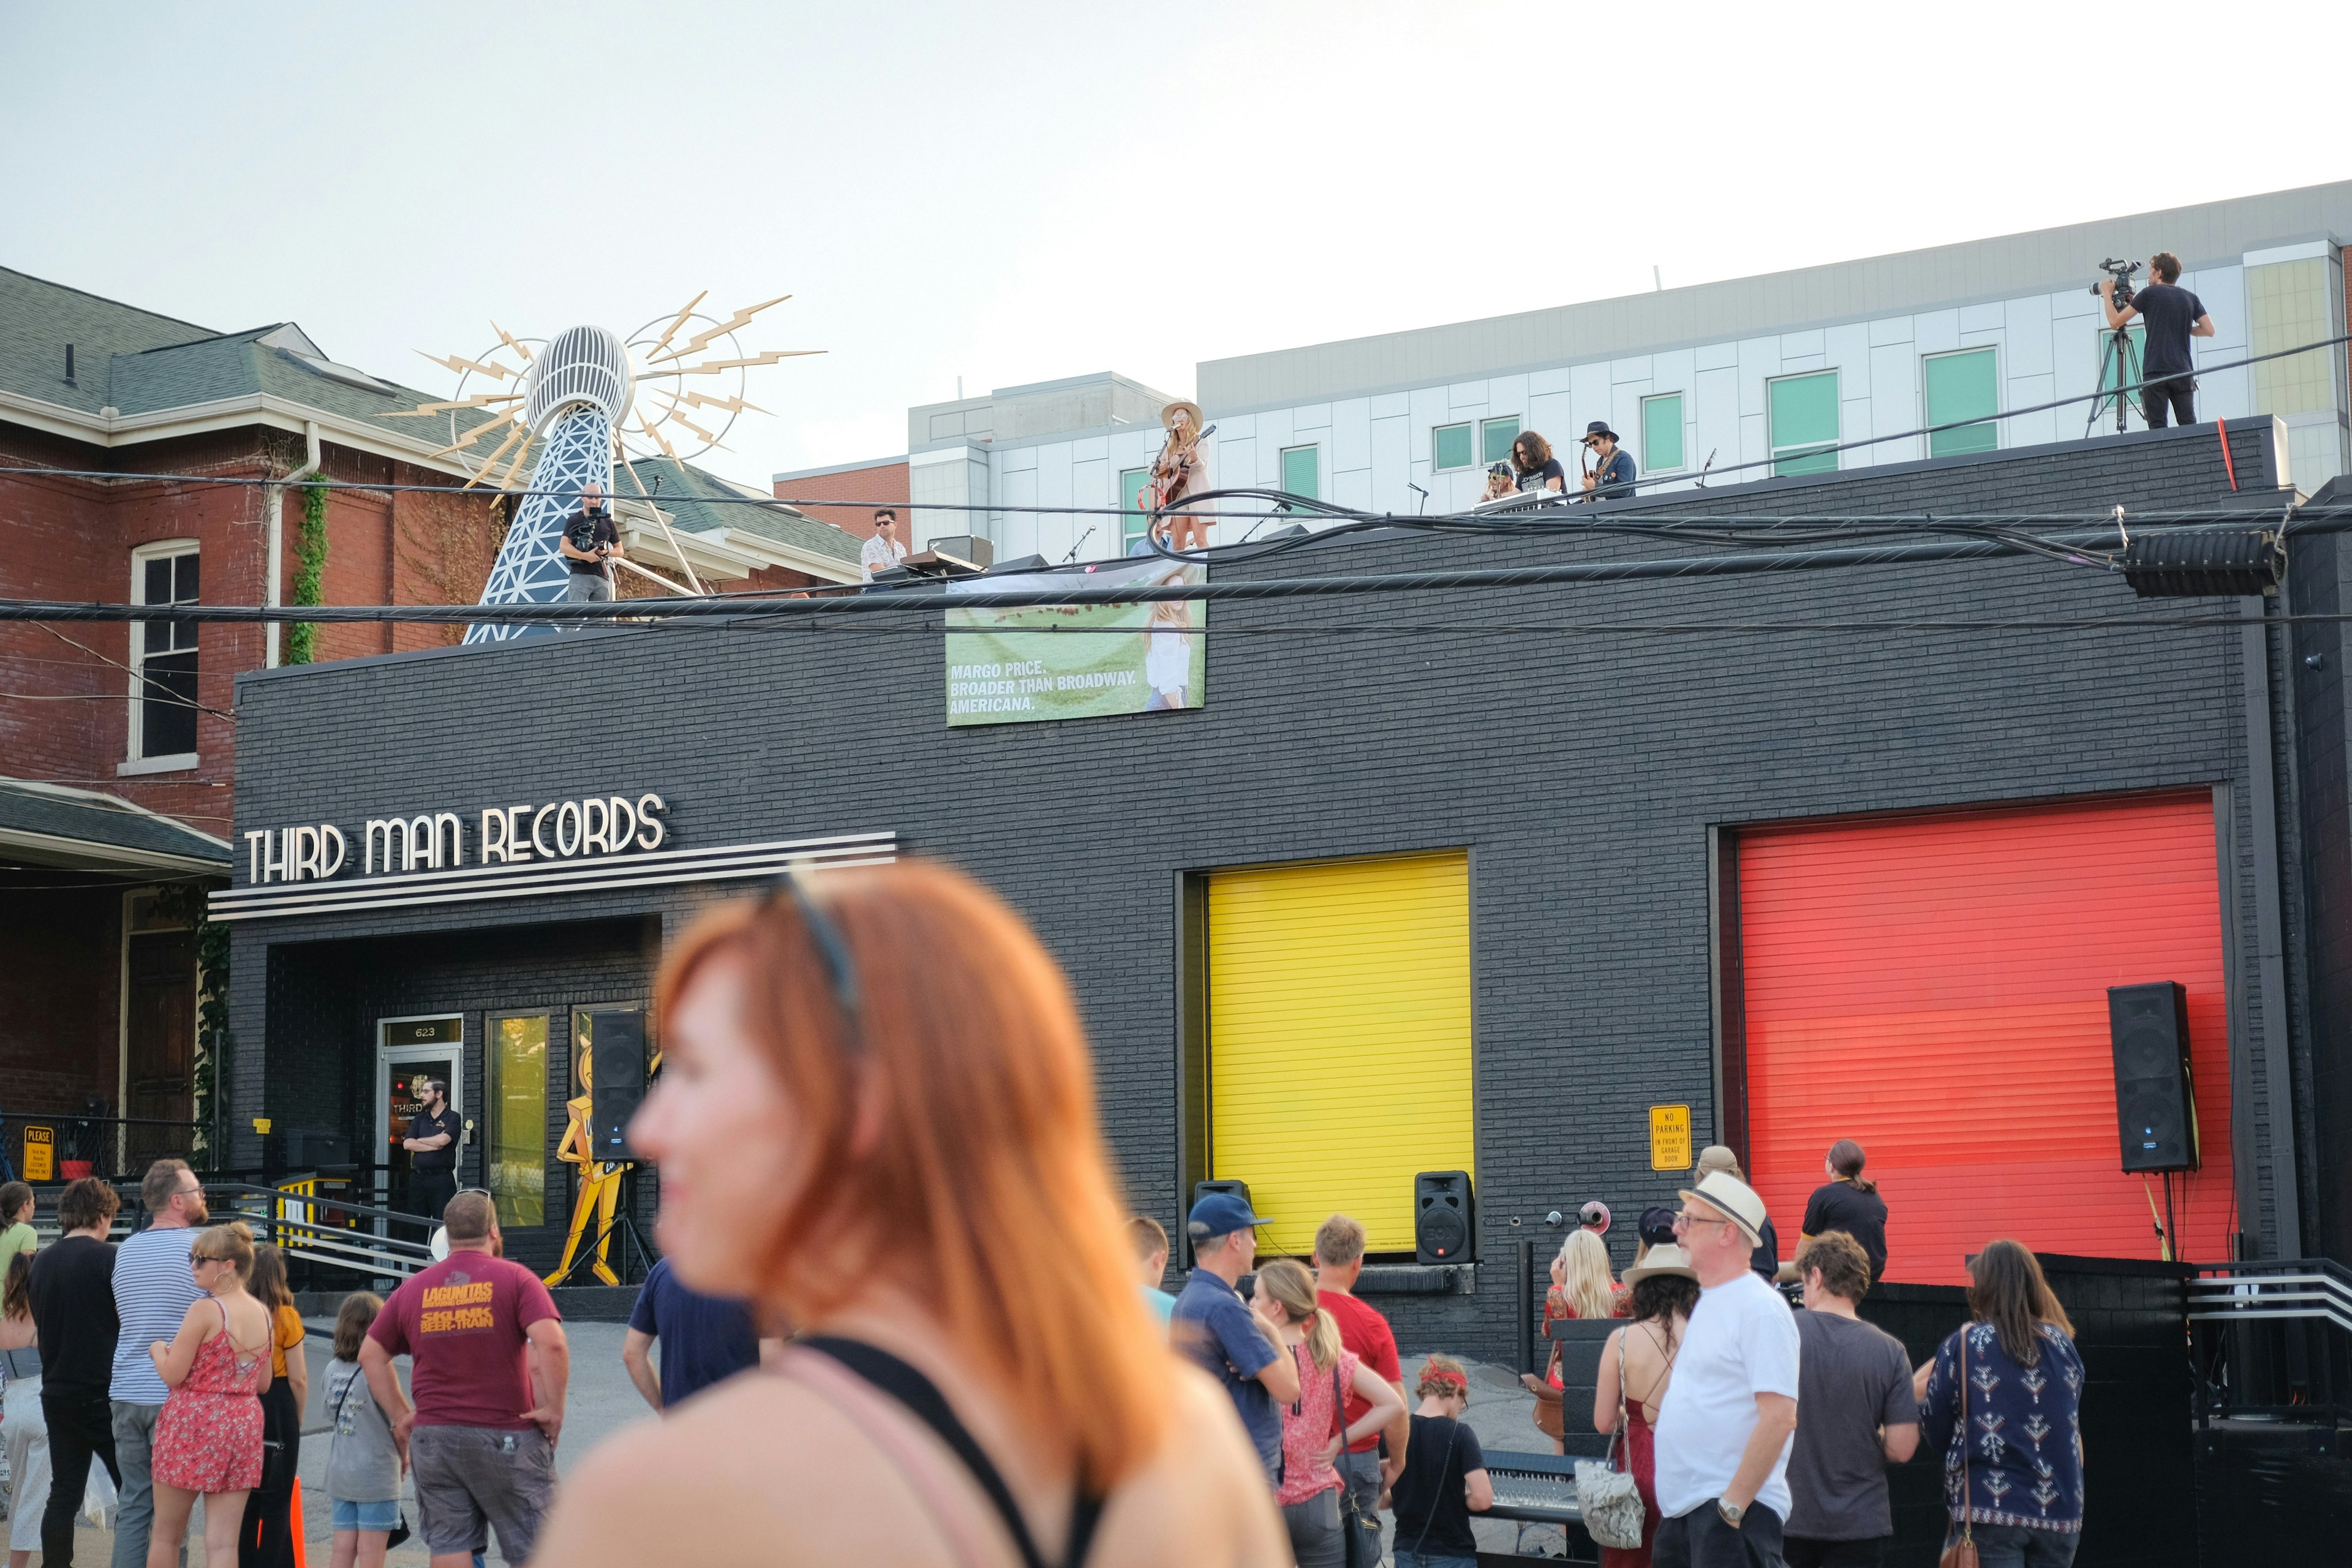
[294, 1526]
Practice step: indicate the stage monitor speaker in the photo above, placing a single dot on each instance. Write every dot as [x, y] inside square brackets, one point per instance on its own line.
[616, 1070]
[2155, 1103]
[1441, 1217]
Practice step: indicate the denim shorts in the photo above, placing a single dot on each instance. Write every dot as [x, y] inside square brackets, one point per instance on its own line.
[383, 1516]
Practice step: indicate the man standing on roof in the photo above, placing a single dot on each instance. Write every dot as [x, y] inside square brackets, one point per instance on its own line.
[2173, 316]
[591, 539]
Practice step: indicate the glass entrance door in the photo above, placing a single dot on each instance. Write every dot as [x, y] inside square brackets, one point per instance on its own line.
[408, 1052]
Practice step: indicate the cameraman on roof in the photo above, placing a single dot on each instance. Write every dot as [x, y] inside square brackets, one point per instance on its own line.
[591, 538]
[2173, 316]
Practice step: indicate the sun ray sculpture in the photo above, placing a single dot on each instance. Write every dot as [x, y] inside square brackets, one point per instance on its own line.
[582, 402]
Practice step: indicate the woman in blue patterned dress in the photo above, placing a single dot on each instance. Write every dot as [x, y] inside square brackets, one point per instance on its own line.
[2002, 1403]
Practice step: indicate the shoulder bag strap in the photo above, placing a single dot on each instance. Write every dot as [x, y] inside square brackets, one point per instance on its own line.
[1967, 1503]
[1444, 1469]
[923, 1400]
[1621, 1436]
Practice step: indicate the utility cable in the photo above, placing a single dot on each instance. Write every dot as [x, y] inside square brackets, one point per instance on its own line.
[838, 502]
[1731, 563]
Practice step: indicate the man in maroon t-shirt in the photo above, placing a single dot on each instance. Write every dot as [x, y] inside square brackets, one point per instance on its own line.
[481, 1439]
[1338, 1261]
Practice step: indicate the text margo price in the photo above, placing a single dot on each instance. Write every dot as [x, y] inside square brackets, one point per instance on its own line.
[430, 841]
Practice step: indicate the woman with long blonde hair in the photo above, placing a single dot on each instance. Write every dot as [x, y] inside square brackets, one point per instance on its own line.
[1581, 1274]
[876, 1116]
[1314, 1431]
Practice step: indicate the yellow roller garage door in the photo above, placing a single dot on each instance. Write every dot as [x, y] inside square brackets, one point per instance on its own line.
[1340, 1039]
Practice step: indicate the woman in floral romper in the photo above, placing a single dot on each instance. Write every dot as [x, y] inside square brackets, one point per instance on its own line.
[208, 1438]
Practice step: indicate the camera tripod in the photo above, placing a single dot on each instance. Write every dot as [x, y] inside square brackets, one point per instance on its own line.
[2118, 369]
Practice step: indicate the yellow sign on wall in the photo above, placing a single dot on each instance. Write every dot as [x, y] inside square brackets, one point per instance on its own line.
[1670, 1138]
[40, 1154]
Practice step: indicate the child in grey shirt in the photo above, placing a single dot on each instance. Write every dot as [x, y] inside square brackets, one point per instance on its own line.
[363, 1465]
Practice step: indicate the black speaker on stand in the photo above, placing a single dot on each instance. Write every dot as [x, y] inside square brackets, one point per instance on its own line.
[2155, 1102]
[1441, 1217]
[617, 1071]
[2155, 1093]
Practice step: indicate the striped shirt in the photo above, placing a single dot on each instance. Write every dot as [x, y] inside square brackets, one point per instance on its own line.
[153, 1288]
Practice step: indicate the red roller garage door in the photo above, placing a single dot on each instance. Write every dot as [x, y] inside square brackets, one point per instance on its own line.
[1936, 988]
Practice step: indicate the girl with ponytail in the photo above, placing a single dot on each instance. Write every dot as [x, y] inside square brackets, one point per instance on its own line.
[1313, 1431]
[1849, 1202]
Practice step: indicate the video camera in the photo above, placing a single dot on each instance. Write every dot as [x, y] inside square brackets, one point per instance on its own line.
[2121, 271]
[581, 534]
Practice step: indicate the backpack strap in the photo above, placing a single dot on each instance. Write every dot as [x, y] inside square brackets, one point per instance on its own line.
[923, 1400]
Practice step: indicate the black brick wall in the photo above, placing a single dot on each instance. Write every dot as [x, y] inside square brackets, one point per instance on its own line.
[1586, 774]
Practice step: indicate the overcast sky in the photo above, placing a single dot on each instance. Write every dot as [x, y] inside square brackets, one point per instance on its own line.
[1017, 193]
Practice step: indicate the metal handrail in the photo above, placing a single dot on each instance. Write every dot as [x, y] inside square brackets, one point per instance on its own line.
[2273, 1292]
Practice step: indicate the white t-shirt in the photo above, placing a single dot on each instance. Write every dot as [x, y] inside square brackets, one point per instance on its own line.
[1742, 1342]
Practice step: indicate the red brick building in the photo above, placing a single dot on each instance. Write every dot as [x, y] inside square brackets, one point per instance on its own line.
[118, 742]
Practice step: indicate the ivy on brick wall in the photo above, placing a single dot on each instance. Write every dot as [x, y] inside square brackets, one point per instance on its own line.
[186, 902]
[310, 572]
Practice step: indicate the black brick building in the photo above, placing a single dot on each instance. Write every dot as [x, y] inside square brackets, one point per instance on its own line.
[1599, 783]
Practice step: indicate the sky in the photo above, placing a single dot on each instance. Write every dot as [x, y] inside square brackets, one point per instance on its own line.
[1011, 194]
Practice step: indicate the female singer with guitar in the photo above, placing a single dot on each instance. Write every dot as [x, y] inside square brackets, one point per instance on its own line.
[1181, 469]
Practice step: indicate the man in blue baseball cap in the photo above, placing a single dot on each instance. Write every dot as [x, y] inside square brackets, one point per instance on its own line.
[1213, 1326]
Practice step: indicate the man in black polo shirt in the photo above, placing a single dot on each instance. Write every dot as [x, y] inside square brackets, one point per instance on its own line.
[2173, 316]
[431, 1146]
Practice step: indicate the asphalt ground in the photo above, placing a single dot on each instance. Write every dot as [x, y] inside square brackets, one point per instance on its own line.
[601, 1401]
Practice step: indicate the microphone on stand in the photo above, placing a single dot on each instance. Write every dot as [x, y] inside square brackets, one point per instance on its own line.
[1423, 505]
[1081, 544]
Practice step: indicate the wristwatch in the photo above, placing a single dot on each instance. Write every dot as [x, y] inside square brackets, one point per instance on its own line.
[1732, 1512]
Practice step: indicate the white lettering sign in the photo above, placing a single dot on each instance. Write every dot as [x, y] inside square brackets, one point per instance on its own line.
[432, 841]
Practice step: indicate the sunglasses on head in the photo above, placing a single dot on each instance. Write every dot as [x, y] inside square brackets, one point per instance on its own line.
[841, 973]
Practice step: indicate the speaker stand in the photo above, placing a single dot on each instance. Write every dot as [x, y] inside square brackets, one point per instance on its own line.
[624, 1223]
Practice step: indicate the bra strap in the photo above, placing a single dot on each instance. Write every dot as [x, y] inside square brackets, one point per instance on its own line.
[927, 1403]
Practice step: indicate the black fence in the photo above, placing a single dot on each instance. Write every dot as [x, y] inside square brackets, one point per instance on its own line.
[38, 1148]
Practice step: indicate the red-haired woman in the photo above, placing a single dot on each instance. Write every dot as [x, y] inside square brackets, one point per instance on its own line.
[877, 1115]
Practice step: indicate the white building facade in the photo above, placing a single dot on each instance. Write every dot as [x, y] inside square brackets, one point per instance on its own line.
[1764, 371]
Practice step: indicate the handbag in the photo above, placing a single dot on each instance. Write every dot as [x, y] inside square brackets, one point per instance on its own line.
[1363, 1545]
[1607, 1498]
[1962, 1554]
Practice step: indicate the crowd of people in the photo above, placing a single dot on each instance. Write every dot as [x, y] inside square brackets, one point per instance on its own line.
[979, 1370]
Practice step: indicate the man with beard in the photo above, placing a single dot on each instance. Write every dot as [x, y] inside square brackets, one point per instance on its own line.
[153, 1288]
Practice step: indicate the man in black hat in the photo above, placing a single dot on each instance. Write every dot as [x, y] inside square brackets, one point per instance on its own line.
[1613, 472]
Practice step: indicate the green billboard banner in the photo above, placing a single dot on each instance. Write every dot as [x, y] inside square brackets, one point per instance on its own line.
[1077, 661]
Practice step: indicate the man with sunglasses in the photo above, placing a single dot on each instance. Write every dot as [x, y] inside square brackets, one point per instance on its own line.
[154, 1285]
[1724, 1426]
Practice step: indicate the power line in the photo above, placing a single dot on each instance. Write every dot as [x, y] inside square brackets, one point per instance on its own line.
[836, 502]
[2080, 549]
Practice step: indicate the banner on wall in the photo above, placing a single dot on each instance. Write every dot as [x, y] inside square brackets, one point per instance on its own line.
[1077, 661]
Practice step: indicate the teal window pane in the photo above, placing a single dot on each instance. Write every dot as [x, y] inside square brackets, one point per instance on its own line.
[1132, 523]
[2107, 379]
[1661, 433]
[1450, 448]
[1805, 418]
[1961, 386]
[1299, 471]
[1494, 438]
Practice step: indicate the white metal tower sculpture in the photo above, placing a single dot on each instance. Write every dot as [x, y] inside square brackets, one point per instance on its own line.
[574, 393]
[573, 400]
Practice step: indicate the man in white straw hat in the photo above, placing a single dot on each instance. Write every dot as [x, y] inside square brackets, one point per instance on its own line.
[1724, 1426]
